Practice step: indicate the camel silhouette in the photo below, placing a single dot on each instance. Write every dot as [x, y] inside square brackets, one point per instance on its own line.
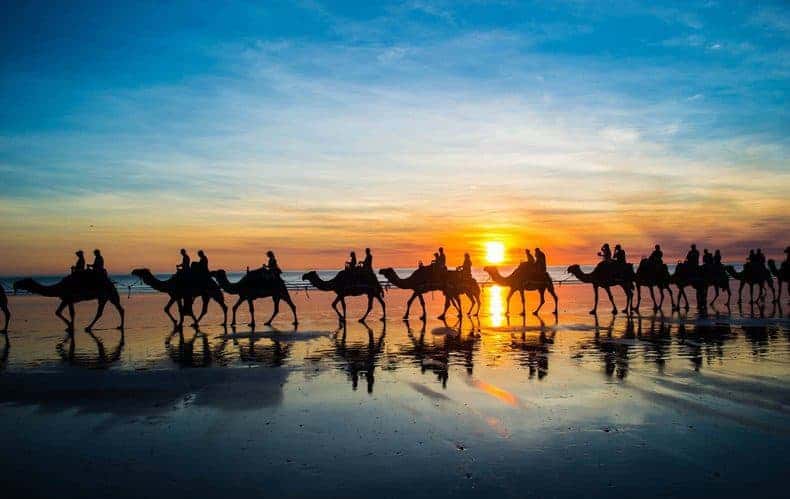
[451, 283]
[4, 308]
[182, 291]
[605, 275]
[753, 276]
[256, 285]
[652, 275]
[350, 282]
[699, 278]
[359, 359]
[102, 360]
[74, 288]
[524, 279]
[782, 275]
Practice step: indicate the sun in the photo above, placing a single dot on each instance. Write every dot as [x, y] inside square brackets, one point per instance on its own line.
[495, 252]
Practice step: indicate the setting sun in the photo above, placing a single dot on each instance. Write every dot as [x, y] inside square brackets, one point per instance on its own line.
[495, 252]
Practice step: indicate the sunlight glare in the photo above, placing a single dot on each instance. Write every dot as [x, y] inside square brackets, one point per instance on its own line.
[495, 252]
[496, 305]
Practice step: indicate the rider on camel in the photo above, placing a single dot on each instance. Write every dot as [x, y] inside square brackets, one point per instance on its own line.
[80, 265]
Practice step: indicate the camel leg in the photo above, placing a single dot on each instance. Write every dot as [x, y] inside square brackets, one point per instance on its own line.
[7, 317]
[715, 295]
[507, 307]
[220, 299]
[99, 312]
[383, 307]
[59, 313]
[203, 311]
[287, 299]
[595, 303]
[116, 301]
[422, 304]
[443, 315]
[71, 314]
[629, 297]
[770, 284]
[611, 299]
[639, 296]
[234, 308]
[740, 291]
[370, 307]
[275, 311]
[251, 307]
[652, 298]
[343, 305]
[167, 310]
[550, 287]
[408, 305]
[458, 306]
[542, 292]
[334, 306]
[523, 303]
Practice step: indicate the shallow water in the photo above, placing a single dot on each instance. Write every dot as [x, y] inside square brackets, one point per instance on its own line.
[658, 404]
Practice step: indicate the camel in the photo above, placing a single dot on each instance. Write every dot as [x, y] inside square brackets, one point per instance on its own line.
[80, 286]
[350, 282]
[782, 275]
[700, 279]
[650, 275]
[752, 276]
[521, 280]
[256, 285]
[183, 293]
[605, 275]
[452, 283]
[4, 308]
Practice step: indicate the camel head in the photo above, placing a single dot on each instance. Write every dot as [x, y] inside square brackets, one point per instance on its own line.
[386, 272]
[142, 274]
[310, 276]
[490, 270]
[574, 269]
[23, 284]
[218, 274]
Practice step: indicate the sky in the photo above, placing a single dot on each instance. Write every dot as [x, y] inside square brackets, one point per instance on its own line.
[314, 127]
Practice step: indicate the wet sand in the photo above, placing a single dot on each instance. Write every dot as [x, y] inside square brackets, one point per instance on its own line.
[659, 405]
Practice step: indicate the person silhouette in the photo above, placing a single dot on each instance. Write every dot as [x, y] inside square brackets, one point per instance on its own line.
[466, 267]
[530, 258]
[760, 257]
[367, 263]
[657, 256]
[752, 258]
[540, 259]
[80, 265]
[98, 262]
[707, 257]
[692, 257]
[619, 254]
[272, 263]
[606, 252]
[717, 258]
[185, 261]
[441, 259]
[202, 262]
[352, 261]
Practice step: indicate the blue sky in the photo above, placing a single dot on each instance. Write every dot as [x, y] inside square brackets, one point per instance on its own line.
[228, 124]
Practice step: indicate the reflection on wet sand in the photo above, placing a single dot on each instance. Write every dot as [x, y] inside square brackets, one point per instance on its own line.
[446, 344]
[194, 349]
[357, 358]
[101, 358]
[532, 351]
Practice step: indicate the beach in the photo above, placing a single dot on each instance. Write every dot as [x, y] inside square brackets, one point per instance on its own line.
[513, 407]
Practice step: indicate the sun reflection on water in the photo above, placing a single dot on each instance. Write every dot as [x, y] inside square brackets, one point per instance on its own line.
[496, 305]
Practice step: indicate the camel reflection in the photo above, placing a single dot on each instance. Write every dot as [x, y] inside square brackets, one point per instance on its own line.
[449, 345]
[273, 354]
[657, 340]
[102, 359]
[704, 343]
[533, 351]
[195, 351]
[359, 358]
